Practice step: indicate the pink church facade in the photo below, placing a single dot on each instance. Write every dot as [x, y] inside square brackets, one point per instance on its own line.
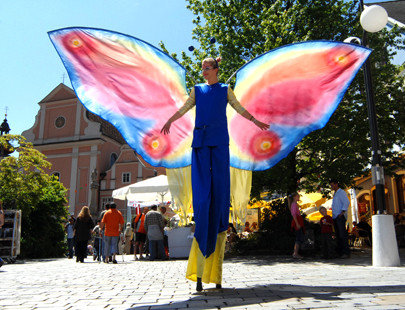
[87, 153]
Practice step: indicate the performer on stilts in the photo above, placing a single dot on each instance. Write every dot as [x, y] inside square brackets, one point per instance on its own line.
[134, 86]
[210, 172]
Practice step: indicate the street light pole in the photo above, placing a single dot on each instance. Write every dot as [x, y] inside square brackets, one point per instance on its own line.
[377, 170]
[385, 248]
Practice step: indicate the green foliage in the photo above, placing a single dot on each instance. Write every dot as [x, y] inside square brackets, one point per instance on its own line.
[245, 29]
[274, 236]
[275, 229]
[342, 149]
[25, 185]
[280, 179]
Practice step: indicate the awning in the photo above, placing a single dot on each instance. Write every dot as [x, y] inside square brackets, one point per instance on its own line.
[152, 189]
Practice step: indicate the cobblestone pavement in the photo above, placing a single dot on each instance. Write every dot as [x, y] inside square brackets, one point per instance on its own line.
[263, 282]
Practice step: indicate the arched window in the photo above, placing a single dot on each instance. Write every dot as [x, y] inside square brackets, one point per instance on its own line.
[113, 158]
[400, 183]
[364, 205]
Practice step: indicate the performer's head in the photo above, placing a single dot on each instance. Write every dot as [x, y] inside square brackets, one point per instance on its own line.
[212, 62]
[210, 69]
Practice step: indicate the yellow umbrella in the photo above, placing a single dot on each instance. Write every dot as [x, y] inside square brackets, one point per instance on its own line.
[316, 216]
[307, 199]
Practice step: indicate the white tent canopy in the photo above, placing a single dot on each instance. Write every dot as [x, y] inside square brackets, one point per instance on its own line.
[143, 204]
[156, 188]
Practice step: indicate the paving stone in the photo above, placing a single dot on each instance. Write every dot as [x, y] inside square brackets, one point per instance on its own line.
[249, 283]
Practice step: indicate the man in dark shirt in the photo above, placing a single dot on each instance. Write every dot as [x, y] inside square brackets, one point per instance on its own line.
[154, 225]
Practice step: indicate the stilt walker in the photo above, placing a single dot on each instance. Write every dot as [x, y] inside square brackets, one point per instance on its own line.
[210, 172]
[135, 86]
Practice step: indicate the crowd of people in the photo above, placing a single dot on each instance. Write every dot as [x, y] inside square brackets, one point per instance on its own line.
[336, 237]
[332, 227]
[144, 236]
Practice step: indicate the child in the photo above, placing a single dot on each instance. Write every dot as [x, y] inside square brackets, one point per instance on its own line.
[70, 236]
[326, 233]
[297, 223]
[97, 242]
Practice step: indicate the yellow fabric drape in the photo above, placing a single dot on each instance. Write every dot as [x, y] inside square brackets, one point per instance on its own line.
[179, 180]
[208, 269]
[241, 184]
[180, 187]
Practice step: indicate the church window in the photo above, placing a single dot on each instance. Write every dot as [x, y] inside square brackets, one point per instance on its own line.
[126, 177]
[60, 122]
[113, 158]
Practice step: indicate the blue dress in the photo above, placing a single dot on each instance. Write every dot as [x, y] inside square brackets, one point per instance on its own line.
[210, 174]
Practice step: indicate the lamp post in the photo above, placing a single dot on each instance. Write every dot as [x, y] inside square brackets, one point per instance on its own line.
[385, 249]
[374, 19]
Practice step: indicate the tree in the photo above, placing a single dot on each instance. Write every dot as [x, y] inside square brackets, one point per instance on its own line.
[245, 29]
[25, 185]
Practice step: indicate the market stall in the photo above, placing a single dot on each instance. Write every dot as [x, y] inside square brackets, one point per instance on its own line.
[151, 192]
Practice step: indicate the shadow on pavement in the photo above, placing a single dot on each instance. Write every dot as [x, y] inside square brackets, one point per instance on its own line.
[223, 298]
[359, 257]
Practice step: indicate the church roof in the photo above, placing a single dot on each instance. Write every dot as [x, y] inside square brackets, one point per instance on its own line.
[60, 92]
[107, 128]
[63, 92]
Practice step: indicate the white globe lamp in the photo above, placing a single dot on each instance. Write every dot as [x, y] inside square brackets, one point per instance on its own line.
[373, 18]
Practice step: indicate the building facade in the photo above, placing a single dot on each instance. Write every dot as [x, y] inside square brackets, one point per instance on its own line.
[394, 195]
[87, 153]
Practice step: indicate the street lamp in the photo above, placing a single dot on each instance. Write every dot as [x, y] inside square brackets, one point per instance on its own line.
[385, 250]
[374, 19]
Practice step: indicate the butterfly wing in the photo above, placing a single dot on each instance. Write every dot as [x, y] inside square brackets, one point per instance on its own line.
[295, 89]
[131, 84]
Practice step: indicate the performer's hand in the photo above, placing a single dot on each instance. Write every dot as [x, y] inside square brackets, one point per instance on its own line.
[261, 125]
[166, 127]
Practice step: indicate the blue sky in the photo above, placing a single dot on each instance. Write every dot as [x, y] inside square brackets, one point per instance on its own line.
[30, 66]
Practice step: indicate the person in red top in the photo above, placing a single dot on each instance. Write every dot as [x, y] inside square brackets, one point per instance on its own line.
[113, 221]
[140, 233]
[326, 233]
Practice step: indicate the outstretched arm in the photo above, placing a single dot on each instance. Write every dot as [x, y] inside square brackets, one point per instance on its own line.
[250, 117]
[190, 102]
[166, 127]
[242, 111]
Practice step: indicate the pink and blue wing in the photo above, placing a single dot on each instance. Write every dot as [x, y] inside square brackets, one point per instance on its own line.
[131, 84]
[296, 89]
